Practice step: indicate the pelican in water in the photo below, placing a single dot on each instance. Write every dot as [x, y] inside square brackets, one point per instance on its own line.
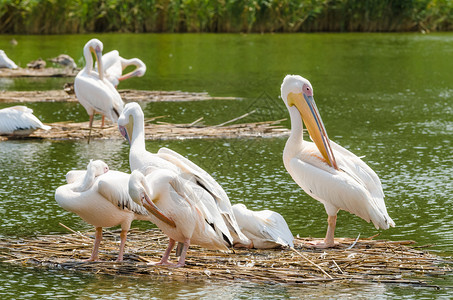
[6, 62]
[266, 229]
[19, 120]
[100, 197]
[93, 90]
[64, 60]
[182, 209]
[131, 125]
[325, 170]
[114, 65]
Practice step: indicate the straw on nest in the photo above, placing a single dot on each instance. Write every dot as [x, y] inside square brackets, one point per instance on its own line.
[352, 260]
[126, 95]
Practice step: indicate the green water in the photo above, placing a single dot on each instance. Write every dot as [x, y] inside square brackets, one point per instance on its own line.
[387, 97]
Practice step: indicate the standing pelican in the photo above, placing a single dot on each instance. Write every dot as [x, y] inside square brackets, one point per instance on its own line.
[182, 209]
[93, 91]
[19, 120]
[266, 229]
[325, 170]
[6, 62]
[100, 197]
[131, 125]
[114, 65]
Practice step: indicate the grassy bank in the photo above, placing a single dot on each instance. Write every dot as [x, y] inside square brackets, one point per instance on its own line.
[85, 16]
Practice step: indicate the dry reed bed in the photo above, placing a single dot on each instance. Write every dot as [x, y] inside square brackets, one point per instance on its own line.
[162, 130]
[362, 260]
[46, 72]
[127, 95]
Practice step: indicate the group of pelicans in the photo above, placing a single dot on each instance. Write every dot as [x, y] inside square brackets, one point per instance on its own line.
[184, 201]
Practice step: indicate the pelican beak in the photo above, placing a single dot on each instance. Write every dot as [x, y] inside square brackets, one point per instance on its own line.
[306, 106]
[126, 131]
[131, 74]
[98, 55]
[152, 208]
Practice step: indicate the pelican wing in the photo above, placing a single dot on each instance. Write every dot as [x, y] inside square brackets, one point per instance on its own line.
[206, 181]
[273, 226]
[357, 168]
[98, 95]
[203, 202]
[19, 118]
[113, 186]
[75, 175]
[337, 189]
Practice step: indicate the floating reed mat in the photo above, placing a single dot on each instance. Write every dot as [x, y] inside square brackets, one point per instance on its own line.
[127, 95]
[352, 260]
[160, 130]
[46, 72]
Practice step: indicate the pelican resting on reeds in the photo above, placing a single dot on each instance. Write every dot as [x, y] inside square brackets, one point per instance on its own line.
[266, 229]
[20, 121]
[64, 60]
[6, 62]
[100, 197]
[114, 65]
[325, 170]
[93, 90]
[182, 209]
[132, 127]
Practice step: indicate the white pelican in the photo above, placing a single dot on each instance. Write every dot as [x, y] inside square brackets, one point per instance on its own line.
[100, 197]
[6, 62]
[131, 125]
[183, 210]
[266, 229]
[64, 60]
[114, 65]
[19, 120]
[325, 170]
[93, 91]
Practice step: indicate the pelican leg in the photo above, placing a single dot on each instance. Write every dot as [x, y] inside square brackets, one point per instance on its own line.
[103, 119]
[329, 241]
[332, 223]
[182, 258]
[123, 237]
[97, 242]
[164, 259]
[91, 126]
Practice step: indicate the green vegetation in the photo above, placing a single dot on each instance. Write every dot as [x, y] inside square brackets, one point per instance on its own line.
[84, 16]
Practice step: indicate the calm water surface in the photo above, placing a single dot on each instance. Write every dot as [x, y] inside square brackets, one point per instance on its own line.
[387, 97]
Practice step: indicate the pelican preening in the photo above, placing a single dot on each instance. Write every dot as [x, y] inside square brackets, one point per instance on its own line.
[266, 229]
[182, 209]
[325, 170]
[100, 197]
[19, 120]
[114, 65]
[6, 62]
[131, 126]
[93, 91]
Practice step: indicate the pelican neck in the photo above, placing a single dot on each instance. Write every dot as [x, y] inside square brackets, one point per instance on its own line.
[296, 124]
[88, 60]
[138, 134]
